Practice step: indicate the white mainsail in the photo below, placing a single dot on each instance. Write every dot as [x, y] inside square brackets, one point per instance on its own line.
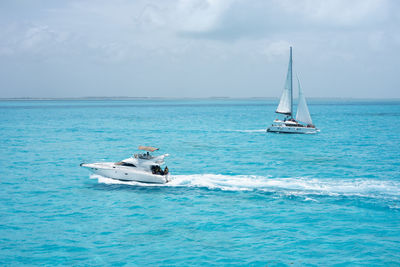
[303, 115]
[286, 102]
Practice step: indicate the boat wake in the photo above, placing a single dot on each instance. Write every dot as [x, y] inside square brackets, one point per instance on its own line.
[288, 186]
[250, 131]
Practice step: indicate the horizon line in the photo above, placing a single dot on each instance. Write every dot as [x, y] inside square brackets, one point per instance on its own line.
[185, 98]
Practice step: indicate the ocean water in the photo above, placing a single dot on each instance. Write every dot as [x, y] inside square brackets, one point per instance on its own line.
[238, 195]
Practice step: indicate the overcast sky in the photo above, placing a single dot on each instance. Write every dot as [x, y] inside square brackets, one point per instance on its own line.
[198, 48]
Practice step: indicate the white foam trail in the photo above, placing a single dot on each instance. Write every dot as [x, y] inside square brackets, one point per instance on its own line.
[250, 131]
[310, 199]
[292, 186]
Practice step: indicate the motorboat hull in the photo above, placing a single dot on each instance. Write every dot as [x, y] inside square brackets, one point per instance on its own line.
[110, 170]
[292, 129]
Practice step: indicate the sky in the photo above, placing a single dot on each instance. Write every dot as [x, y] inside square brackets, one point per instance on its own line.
[198, 48]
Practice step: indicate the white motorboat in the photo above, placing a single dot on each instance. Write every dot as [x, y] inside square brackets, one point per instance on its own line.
[303, 123]
[144, 168]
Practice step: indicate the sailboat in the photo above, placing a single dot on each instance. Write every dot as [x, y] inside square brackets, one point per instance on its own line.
[303, 123]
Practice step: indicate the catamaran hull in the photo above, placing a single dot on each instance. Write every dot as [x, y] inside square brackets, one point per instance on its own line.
[292, 130]
[125, 173]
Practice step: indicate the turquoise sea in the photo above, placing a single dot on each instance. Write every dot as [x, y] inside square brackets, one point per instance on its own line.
[239, 195]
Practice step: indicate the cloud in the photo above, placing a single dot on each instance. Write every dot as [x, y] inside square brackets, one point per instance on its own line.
[201, 15]
[232, 20]
[336, 12]
[226, 40]
[31, 39]
[40, 37]
[276, 48]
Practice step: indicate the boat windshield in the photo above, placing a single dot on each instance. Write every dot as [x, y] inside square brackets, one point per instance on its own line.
[126, 164]
[143, 156]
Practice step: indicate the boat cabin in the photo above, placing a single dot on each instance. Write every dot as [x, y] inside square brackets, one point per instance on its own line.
[151, 163]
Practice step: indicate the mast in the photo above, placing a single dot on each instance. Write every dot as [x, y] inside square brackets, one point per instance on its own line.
[291, 83]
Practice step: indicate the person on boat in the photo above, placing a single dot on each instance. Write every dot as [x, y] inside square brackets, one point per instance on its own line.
[166, 171]
[155, 169]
